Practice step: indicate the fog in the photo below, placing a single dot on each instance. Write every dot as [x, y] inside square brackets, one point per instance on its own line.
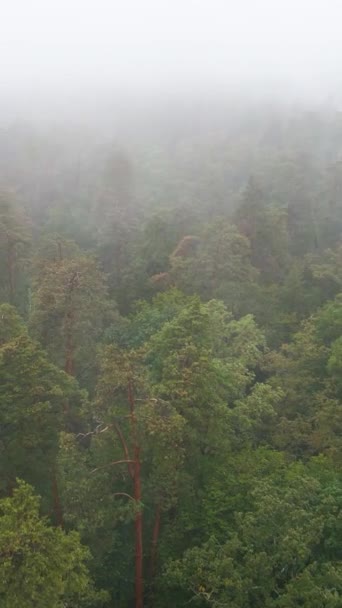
[84, 56]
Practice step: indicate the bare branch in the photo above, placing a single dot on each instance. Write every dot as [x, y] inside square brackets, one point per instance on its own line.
[95, 432]
[124, 494]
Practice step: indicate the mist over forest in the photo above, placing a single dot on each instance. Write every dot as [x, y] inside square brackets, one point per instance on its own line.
[170, 304]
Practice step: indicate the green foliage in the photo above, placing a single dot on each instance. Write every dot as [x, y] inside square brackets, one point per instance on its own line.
[209, 427]
[219, 268]
[14, 251]
[39, 565]
[11, 324]
[307, 370]
[70, 309]
[32, 399]
[266, 228]
[276, 553]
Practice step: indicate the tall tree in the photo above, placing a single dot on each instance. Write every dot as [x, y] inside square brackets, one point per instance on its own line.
[139, 428]
[219, 266]
[69, 309]
[32, 399]
[265, 226]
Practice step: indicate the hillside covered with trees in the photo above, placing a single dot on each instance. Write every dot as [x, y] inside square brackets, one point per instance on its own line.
[171, 361]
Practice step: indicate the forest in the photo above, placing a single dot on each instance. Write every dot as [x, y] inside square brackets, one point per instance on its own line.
[171, 359]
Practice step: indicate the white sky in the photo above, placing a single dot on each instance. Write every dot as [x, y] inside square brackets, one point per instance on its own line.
[168, 41]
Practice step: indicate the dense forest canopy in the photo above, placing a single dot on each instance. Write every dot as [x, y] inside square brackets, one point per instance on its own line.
[171, 360]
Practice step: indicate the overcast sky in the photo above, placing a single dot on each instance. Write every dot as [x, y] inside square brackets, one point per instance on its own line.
[169, 42]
